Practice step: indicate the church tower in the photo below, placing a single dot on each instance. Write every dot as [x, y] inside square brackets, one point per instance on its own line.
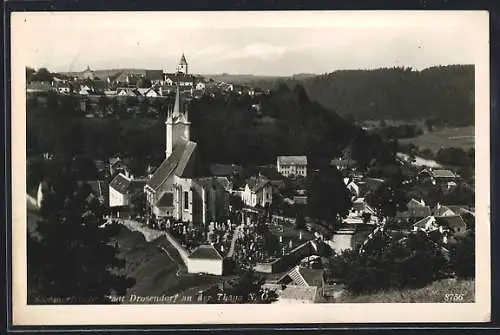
[183, 65]
[177, 124]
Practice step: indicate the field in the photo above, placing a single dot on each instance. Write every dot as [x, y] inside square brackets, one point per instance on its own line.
[462, 137]
[443, 291]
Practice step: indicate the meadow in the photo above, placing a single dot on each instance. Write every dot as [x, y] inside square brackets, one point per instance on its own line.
[442, 291]
[462, 137]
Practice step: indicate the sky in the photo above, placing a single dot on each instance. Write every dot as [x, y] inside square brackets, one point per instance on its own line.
[259, 43]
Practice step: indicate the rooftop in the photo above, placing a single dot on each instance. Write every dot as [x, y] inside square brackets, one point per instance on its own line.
[206, 252]
[292, 160]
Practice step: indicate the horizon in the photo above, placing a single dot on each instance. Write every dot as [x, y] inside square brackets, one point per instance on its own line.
[259, 75]
[278, 44]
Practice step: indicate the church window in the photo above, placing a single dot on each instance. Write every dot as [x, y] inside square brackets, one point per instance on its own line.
[186, 200]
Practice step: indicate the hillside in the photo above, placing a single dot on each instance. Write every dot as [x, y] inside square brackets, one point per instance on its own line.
[448, 290]
[445, 92]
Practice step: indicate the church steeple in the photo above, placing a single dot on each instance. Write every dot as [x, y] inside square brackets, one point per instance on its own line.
[177, 124]
[183, 65]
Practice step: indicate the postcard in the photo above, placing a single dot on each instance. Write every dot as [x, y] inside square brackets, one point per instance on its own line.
[250, 167]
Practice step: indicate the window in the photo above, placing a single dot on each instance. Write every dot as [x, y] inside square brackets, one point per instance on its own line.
[186, 200]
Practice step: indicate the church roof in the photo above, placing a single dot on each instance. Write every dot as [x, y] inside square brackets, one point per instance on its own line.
[184, 162]
[183, 60]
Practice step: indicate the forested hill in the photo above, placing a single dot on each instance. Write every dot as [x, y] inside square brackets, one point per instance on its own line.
[446, 92]
[230, 130]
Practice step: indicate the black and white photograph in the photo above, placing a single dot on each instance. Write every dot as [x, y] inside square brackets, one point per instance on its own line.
[244, 167]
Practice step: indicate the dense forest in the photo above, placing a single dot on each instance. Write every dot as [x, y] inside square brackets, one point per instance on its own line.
[229, 129]
[442, 92]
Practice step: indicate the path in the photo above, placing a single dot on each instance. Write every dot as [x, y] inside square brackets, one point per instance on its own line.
[236, 234]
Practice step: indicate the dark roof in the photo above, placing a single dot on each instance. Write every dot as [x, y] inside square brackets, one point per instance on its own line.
[179, 76]
[120, 183]
[292, 160]
[452, 222]
[205, 252]
[154, 74]
[184, 162]
[167, 200]
[183, 60]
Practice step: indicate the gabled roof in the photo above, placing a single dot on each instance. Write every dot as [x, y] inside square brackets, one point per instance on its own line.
[120, 183]
[206, 252]
[452, 222]
[184, 162]
[460, 210]
[424, 222]
[443, 210]
[292, 160]
[255, 184]
[303, 277]
[443, 174]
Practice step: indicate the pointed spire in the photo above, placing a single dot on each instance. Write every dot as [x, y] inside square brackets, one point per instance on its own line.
[177, 109]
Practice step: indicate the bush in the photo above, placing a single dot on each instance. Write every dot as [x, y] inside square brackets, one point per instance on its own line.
[387, 263]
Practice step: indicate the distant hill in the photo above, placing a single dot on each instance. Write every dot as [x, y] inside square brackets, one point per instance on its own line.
[240, 78]
[445, 92]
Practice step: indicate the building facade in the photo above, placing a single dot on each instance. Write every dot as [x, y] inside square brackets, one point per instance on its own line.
[292, 165]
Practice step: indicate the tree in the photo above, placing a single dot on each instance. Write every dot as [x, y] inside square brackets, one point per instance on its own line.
[29, 74]
[328, 200]
[42, 75]
[300, 222]
[138, 201]
[390, 263]
[463, 256]
[72, 259]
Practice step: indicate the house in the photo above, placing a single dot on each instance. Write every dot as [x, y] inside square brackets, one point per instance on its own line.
[200, 86]
[454, 223]
[439, 176]
[292, 165]
[122, 187]
[426, 224]
[415, 210]
[152, 93]
[205, 259]
[258, 192]
[352, 187]
[178, 187]
[441, 210]
[299, 285]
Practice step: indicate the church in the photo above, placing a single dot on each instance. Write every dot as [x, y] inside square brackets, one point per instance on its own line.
[182, 187]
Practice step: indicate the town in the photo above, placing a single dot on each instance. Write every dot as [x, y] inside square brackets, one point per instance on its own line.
[312, 224]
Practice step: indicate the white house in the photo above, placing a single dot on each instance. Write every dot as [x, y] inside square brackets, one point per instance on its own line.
[292, 165]
[151, 93]
[200, 86]
[121, 189]
[205, 259]
[258, 191]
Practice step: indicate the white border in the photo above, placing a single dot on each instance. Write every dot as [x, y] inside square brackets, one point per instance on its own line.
[260, 314]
